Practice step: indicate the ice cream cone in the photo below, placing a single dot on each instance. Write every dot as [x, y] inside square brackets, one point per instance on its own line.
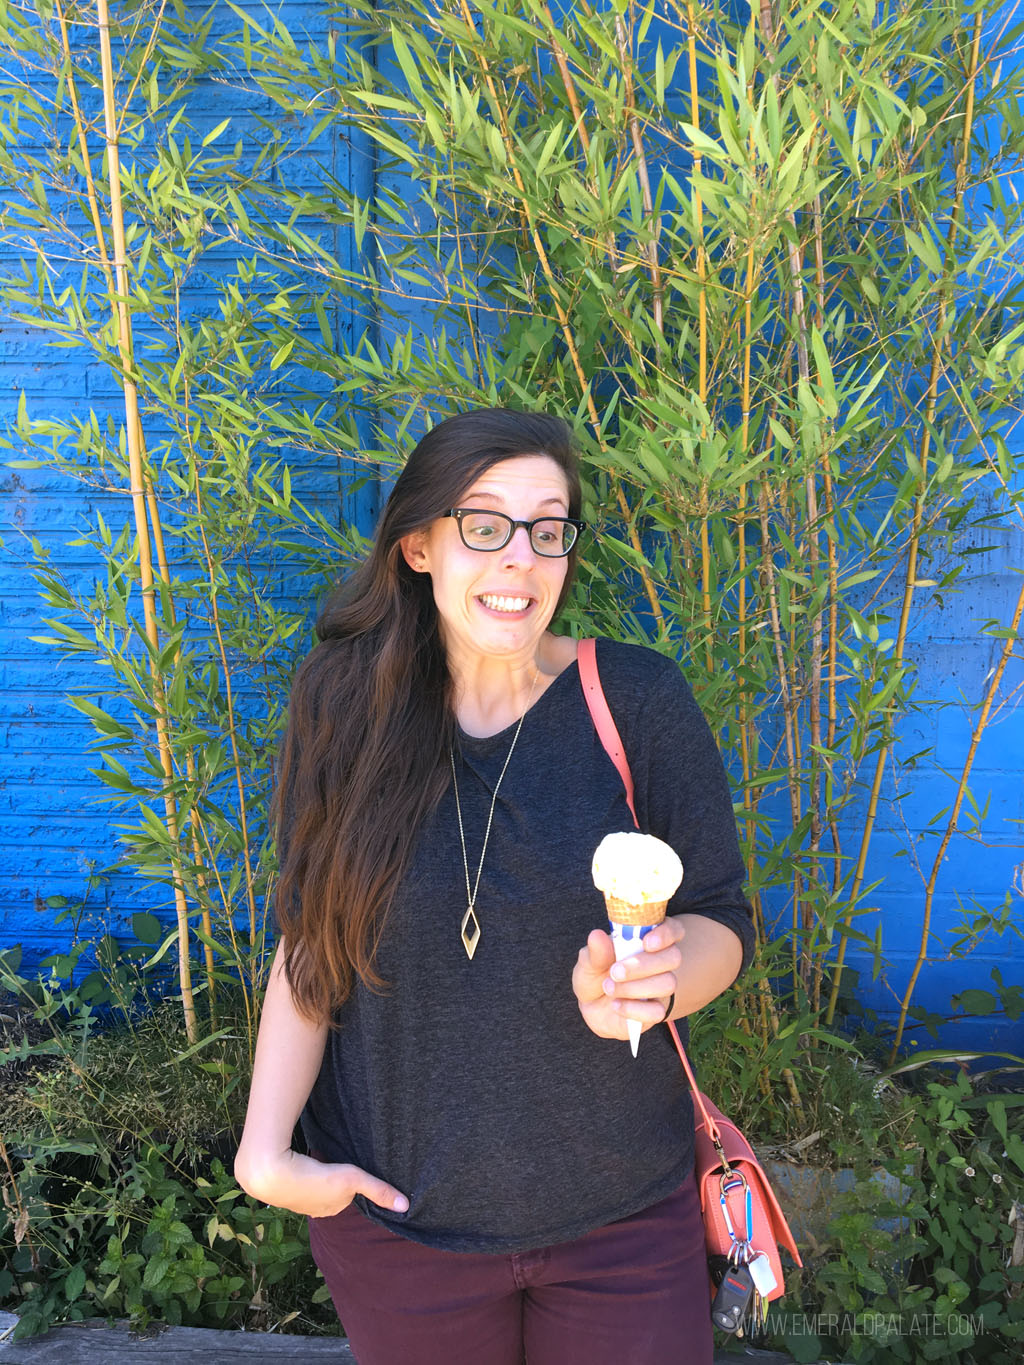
[638, 874]
[638, 912]
[627, 939]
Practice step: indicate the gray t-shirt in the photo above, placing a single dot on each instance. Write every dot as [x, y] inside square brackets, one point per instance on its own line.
[475, 1087]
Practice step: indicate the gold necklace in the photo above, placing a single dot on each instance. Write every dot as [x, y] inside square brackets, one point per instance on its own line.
[470, 930]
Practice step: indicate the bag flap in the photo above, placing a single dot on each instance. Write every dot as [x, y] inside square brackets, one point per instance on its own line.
[739, 1153]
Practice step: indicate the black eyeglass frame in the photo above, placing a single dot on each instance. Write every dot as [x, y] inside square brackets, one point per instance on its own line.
[459, 512]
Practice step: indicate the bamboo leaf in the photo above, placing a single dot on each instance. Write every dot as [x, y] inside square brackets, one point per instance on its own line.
[198, 1046]
[700, 142]
[282, 353]
[407, 62]
[924, 248]
[215, 133]
[821, 358]
[933, 1056]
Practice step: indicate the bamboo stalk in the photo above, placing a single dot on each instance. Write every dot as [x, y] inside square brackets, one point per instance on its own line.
[563, 318]
[236, 759]
[788, 666]
[154, 515]
[806, 919]
[201, 835]
[702, 333]
[562, 63]
[83, 147]
[910, 581]
[579, 122]
[229, 919]
[741, 523]
[785, 692]
[832, 708]
[767, 1012]
[1009, 646]
[698, 207]
[814, 725]
[470, 320]
[138, 495]
[190, 759]
[833, 712]
[654, 265]
[818, 760]
[745, 724]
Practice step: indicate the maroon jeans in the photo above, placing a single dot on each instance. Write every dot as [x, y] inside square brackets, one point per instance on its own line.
[632, 1293]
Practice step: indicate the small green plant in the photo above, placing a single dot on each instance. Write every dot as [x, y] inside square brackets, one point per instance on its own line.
[115, 1167]
[145, 1236]
[924, 1269]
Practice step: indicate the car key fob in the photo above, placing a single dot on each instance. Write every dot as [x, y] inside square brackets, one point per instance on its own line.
[732, 1299]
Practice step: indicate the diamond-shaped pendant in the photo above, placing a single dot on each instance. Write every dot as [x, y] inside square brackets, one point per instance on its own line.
[470, 932]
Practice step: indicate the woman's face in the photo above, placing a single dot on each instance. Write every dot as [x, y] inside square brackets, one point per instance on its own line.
[496, 602]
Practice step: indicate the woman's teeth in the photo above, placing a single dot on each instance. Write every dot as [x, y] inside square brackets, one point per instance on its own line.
[505, 603]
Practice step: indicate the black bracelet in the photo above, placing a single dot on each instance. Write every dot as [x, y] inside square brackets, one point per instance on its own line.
[668, 1008]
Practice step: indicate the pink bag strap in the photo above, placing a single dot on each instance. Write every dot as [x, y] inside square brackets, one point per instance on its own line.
[608, 734]
[604, 723]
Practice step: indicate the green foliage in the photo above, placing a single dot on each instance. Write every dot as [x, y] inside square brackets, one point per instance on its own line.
[118, 1203]
[837, 1095]
[143, 1237]
[938, 1280]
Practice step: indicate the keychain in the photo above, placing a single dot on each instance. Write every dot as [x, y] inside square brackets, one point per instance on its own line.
[744, 1277]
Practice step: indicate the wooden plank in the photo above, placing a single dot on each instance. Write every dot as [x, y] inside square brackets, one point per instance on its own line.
[86, 1344]
[96, 1344]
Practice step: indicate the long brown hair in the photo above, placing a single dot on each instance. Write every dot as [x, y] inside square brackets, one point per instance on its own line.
[365, 754]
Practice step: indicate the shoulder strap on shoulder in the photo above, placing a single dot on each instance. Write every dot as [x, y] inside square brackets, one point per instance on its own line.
[604, 723]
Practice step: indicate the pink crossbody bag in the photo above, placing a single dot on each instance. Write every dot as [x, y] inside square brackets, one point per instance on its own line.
[737, 1203]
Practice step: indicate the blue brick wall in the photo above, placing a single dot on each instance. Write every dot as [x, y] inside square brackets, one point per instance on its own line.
[56, 827]
[57, 821]
[984, 861]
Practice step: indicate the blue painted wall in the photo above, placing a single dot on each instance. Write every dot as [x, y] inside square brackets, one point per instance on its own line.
[54, 829]
[57, 823]
[982, 870]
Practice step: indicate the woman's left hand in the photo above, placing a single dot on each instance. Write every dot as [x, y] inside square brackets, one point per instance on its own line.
[639, 987]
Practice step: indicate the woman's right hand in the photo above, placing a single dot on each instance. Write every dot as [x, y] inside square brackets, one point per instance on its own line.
[315, 1188]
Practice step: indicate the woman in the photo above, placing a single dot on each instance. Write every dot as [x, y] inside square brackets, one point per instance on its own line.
[494, 1177]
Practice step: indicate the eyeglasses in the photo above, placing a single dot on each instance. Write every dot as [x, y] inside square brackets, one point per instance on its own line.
[552, 537]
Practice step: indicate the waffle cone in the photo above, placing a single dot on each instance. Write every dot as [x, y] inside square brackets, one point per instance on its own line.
[624, 912]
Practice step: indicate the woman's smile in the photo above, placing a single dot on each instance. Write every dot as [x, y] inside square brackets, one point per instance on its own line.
[503, 604]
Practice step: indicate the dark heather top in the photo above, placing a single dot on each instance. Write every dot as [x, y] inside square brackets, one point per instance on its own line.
[475, 1087]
